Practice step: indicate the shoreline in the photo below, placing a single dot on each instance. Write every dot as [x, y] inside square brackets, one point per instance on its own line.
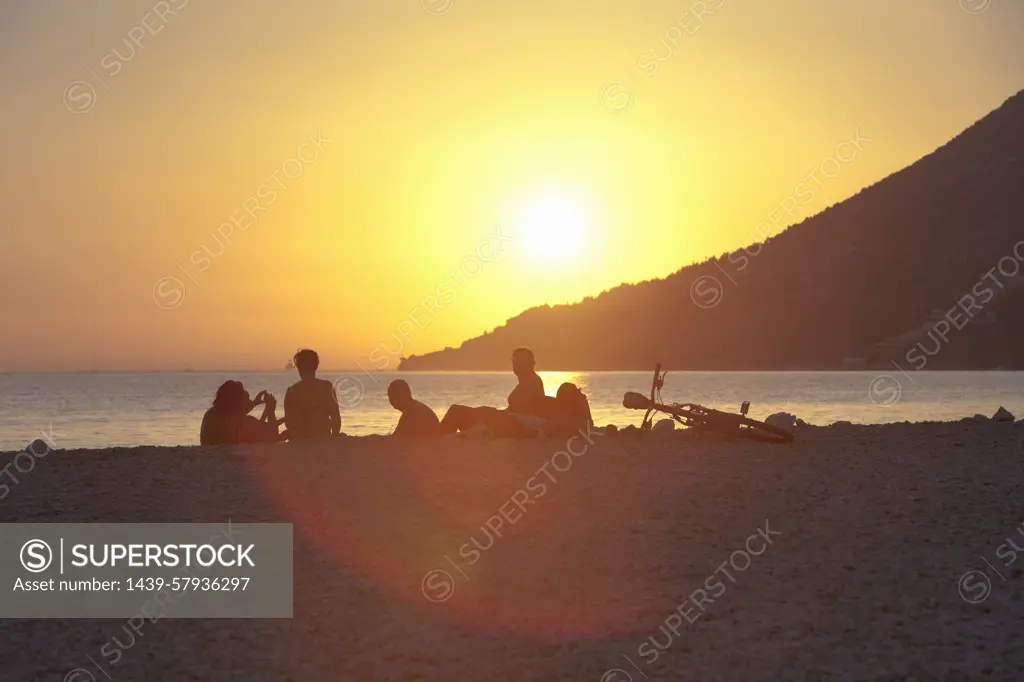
[678, 434]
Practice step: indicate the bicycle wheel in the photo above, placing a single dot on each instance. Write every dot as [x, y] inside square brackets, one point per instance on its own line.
[744, 427]
[765, 433]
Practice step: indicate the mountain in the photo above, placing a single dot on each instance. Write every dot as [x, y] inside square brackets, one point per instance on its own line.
[919, 265]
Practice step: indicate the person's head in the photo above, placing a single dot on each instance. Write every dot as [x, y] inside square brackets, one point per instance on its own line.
[572, 404]
[566, 398]
[231, 398]
[307, 362]
[399, 394]
[522, 361]
[567, 392]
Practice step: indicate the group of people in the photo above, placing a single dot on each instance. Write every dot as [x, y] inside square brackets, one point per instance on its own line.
[311, 410]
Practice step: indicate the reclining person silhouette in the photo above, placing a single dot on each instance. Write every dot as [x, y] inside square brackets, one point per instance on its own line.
[526, 404]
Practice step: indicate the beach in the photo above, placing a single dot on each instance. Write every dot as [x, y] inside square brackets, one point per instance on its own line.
[856, 553]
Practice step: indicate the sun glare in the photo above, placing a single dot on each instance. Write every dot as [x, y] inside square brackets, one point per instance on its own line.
[552, 227]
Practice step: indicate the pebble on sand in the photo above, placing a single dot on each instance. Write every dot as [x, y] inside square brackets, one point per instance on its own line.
[783, 420]
[663, 425]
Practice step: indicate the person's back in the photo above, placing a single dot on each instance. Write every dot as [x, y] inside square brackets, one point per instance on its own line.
[218, 428]
[528, 395]
[417, 420]
[310, 405]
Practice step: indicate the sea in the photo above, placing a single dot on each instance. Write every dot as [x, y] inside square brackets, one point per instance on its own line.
[99, 410]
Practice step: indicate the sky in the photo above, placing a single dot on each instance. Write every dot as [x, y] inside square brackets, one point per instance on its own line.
[192, 185]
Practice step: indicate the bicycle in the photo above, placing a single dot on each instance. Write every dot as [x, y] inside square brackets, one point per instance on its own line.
[702, 418]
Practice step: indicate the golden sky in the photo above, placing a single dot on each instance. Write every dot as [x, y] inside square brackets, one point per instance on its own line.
[363, 161]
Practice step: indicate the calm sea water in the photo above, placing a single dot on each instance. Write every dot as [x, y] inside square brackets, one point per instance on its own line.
[103, 410]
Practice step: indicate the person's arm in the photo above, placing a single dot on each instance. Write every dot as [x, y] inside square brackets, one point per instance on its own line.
[252, 430]
[403, 427]
[269, 409]
[291, 412]
[334, 412]
[264, 429]
[537, 388]
[258, 400]
[519, 400]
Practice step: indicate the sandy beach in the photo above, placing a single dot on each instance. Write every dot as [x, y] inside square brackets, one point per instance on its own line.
[857, 553]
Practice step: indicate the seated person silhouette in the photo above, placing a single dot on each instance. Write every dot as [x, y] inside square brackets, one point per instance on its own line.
[527, 400]
[417, 420]
[568, 413]
[310, 405]
[228, 421]
[528, 395]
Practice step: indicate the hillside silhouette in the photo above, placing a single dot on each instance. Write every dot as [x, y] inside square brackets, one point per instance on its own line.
[864, 283]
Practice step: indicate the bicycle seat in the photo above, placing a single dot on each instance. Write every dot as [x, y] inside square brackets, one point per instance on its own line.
[635, 401]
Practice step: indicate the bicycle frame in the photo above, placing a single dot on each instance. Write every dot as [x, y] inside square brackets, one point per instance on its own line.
[701, 418]
[687, 414]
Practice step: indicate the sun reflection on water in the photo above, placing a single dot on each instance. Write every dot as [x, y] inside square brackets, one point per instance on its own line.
[552, 380]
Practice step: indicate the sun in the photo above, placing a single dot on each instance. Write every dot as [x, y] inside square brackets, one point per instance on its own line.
[552, 226]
